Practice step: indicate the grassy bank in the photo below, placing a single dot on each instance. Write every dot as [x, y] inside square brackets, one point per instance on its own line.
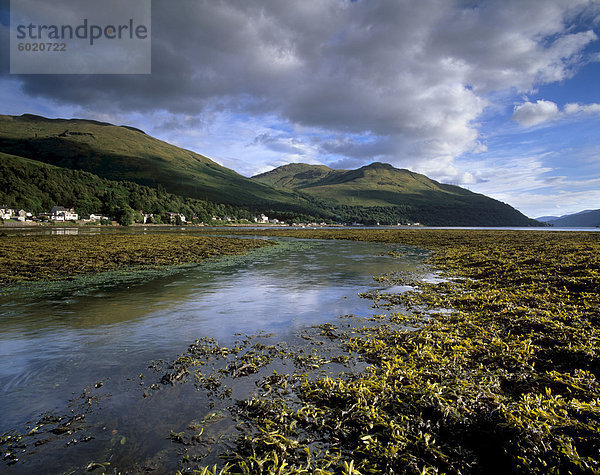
[37, 258]
[494, 372]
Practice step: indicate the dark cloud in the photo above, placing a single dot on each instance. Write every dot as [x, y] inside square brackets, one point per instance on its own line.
[411, 77]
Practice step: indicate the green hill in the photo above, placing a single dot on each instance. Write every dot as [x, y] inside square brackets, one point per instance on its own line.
[297, 192]
[377, 184]
[405, 194]
[126, 153]
[37, 187]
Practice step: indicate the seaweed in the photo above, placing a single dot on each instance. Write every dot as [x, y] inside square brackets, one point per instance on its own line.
[491, 368]
[495, 371]
[26, 259]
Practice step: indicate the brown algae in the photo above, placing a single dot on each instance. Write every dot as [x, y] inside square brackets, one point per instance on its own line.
[505, 381]
[493, 370]
[43, 258]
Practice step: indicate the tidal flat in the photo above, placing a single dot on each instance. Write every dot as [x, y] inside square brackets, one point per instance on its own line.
[51, 258]
[491, 367]
[493, 370]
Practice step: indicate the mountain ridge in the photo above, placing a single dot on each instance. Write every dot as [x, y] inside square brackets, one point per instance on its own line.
[127, 153]
[588, 218]
[374, 193]
[382, 185]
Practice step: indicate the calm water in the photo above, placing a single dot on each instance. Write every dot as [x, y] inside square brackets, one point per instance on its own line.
[53, 348]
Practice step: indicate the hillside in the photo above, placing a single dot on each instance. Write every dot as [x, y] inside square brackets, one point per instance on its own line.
[377, 184]
[377, 193]
[407, 195]
[125, 153]
[37, 187]
[583, 219]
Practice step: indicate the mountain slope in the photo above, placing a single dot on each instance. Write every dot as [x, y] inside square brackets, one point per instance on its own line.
[37, 187]
[583, 219]
[382, 185]
[377, 184]
[371, 194]
[295, 175]
[126, 153]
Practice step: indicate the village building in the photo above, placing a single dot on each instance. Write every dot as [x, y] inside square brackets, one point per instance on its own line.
[60, 213]
[96, 217]
[173, 217]
[6, 212]
[23, 215]
[261, 219]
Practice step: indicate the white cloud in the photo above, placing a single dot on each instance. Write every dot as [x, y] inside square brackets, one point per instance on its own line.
[575, 108]
[561, 202]
[412, 76]
[533, 113]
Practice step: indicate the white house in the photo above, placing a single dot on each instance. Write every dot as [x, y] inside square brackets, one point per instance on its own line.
[23, 215]
[98, 217]
[59, 213]
[173, 217]
[261, 219]
[6, 213]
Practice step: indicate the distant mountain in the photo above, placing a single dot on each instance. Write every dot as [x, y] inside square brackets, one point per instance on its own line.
[546, 219]
[382, 185]
[583, 219]
[127, 153]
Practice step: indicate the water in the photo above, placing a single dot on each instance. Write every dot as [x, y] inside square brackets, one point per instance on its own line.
[52, 348]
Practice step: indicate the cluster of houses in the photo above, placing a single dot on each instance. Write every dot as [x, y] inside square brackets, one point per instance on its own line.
[62, 214]
[57, 213]
[263, 219]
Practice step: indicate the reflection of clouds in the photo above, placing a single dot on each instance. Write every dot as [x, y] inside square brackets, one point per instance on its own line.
[79, 340]
[282, 294]
[249, 304]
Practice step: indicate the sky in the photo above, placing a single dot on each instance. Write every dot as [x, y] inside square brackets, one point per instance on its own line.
[501, 97]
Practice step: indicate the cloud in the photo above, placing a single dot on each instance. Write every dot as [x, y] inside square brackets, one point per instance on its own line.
[533, 113]
[574, 108]
[280, 143]
[561, 202]
[403, 82]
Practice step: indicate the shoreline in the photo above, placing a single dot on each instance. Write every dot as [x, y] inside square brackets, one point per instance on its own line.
[18, 226]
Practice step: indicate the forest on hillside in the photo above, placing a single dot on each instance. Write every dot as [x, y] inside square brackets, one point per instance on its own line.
[37, 188]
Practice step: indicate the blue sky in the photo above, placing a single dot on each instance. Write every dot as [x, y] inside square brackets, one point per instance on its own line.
[499, 96]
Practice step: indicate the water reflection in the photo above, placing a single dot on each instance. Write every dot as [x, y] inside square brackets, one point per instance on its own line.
[51, 348]
[65, 231]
